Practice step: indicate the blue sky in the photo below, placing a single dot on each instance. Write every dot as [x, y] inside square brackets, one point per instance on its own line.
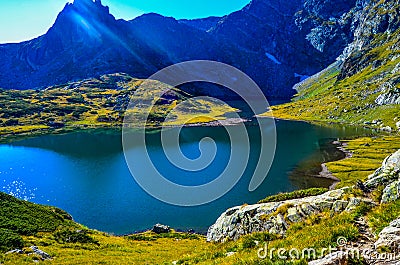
[26, 19]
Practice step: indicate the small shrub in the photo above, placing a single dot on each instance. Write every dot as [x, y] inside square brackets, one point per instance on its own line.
[77, 236]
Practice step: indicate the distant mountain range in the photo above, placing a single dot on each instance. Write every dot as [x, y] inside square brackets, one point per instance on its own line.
[276, 42]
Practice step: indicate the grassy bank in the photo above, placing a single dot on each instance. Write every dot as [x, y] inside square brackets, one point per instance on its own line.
[367, 155]
[71, 243]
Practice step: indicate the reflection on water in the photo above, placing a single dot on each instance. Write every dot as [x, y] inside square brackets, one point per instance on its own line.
[85, 174]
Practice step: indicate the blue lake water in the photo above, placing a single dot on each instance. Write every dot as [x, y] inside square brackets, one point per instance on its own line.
[85, 173]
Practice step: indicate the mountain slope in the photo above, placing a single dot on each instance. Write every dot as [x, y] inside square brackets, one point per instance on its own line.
[276, 42]
[363, 86]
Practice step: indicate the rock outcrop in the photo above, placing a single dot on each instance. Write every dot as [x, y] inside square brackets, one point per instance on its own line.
[390, 236]
[161, 229]
[275, 217]
[376, 18]
[386, 174]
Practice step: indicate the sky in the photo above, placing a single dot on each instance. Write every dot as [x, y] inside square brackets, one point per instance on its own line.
[22, 20]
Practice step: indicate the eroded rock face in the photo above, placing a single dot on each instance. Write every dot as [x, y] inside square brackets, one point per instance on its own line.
[391, 97]
[375, 18]
[275, 217]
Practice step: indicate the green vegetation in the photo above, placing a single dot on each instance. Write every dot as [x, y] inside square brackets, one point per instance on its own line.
[24, 224]
[10, 240]
[367, 155]
[328, 98]
[294, 195]
[27, 219]
[100, 103]
[383, 215]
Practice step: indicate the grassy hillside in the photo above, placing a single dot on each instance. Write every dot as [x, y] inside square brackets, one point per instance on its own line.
[333, 96]
[69, 243]
[97, 103]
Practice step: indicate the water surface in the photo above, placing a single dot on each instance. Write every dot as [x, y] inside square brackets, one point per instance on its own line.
[85, 174]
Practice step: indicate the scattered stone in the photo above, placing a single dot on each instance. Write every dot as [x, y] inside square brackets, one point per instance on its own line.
[293, 215]
[15, 251]
[230, 254]
[386, 129]
[161, 229]
[398, 125]
[43, 255]
[390, 236]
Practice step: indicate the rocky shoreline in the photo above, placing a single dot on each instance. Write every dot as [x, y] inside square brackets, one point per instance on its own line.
[325, 173]
[277, 217]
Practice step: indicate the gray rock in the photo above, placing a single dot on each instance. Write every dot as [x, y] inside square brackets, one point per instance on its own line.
[353, 203]
[391, 97]
[242, 220]
[386, 129]
[43, 255]
[15, 251]
[391, 192]
[293, 215]
[387, 173]
[390, 236]
[339, 206]
[398, 125]
[161, 229]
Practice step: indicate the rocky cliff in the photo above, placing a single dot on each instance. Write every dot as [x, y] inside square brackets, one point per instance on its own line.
[363, 86]
[276, 42]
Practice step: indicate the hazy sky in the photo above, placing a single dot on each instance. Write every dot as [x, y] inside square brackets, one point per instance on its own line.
[26, 19]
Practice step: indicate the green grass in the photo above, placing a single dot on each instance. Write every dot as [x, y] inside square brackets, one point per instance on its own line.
[100, 103]
[294, 195]
[367, 156]
[327, 98]
[24, 224]
[26, 218]
[383, 215]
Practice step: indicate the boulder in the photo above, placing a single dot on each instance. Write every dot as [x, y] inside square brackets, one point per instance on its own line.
[43, 255]
[391, 192]
[273, 217]
[161, 229]
[387, 173]
[390, 236]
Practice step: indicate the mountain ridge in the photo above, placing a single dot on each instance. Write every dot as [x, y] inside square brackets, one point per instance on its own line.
[272, 47]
